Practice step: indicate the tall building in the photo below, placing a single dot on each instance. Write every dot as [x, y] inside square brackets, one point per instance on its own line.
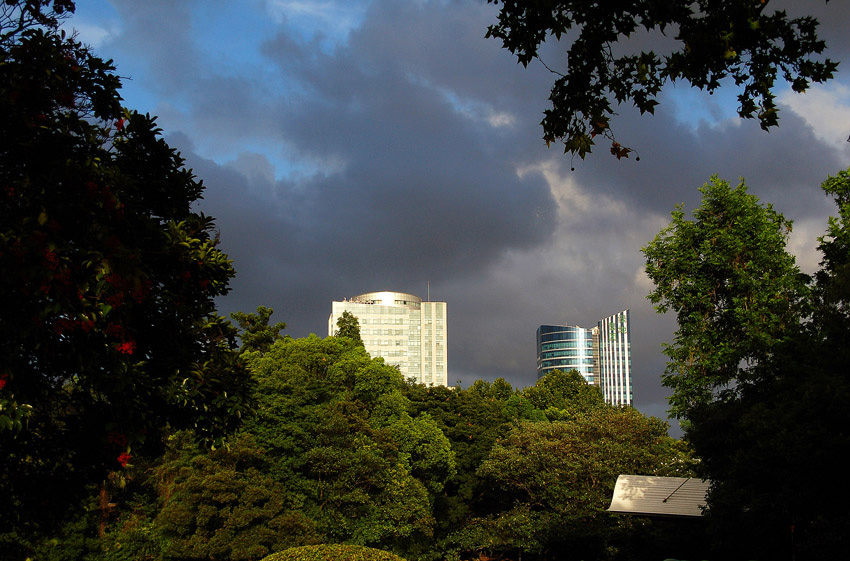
[602, 354]
[565, 348]
[614, 361]
[403, 330]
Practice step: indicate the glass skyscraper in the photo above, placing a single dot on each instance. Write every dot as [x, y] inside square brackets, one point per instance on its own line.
[601, 354]
[565, 348]
[403, 330]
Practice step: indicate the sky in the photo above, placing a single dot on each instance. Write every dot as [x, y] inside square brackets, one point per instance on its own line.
[352, 146]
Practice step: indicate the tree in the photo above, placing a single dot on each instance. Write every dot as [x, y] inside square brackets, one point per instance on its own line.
[564, 394]
[713, 40]
[222, 504]
[257, 333]
[554, 480]
[758, 370]
[832, 287]
[472, 419]
[736, 292]
[329, 552]
[339, 438]
[108, 329]
[348, 327]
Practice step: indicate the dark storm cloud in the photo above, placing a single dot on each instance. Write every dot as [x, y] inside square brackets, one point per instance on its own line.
[405, 82]
[784, 166]
[410, 169]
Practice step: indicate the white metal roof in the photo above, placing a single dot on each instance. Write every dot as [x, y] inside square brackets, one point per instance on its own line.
[672, 496]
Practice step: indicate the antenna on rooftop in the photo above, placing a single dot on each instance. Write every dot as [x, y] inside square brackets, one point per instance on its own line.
[429, 292]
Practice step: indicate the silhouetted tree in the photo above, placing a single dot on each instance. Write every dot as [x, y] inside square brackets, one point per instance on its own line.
[711, 40]
[108, 326]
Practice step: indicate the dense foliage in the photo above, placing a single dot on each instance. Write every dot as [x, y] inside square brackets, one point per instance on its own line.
[341, 450]
[735, 290]
[348, 326]
[108, 331]
[758, 369]
[709, 41]
[333, 553]
[256, 333]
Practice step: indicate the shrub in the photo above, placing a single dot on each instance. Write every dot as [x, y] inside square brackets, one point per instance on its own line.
[327, 552]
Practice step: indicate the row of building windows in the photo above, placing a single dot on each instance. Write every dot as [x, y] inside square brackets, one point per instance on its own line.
[564, 335]
[383, 353]
[586, 364]
[397, 342]
[588, 344]
[386, 342]
[383, 332]
[564, 353]
[381, 321]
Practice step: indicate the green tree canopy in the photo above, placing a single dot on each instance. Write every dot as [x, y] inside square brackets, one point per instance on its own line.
[735, 289]
[744, 40]
[348, 326]
[832, 289]
[472, 420]
[340, 437]
[553, 481]
[330, 552]
[565, 394]
[223, 504]
[256, 333]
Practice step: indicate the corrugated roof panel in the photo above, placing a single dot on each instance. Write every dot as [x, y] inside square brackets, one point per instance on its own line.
[672, 496]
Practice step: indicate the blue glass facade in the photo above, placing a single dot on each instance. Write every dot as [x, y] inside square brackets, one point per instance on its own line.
[565, 348]
[601, 354]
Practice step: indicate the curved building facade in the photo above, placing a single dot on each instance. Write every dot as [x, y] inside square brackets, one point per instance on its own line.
[602, 354]
[565, 348]
[402, 329]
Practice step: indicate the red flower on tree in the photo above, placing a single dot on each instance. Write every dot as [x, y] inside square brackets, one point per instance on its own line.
[126, 348]
[123, 459]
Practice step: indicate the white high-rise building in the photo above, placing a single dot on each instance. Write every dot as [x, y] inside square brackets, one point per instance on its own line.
[613, 357]
[403, 330]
